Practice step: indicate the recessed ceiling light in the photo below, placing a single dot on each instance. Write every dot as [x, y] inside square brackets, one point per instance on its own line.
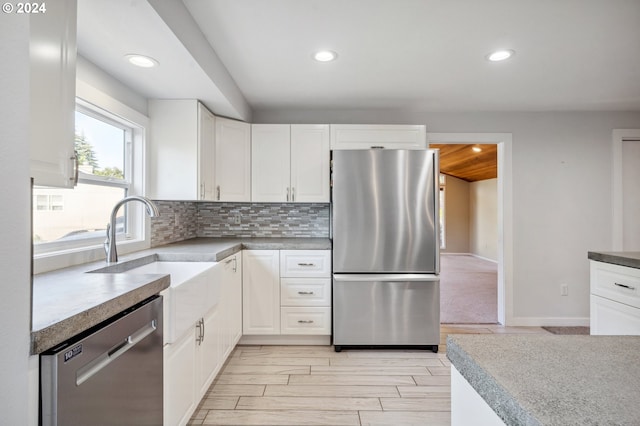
[476, 149]
[500, 55]
[142, 60]
[325, 56]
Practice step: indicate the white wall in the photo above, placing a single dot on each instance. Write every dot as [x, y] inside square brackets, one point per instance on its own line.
[95, 77]
[456, 215]
[561, 194]
[483, 218]
[15, 241]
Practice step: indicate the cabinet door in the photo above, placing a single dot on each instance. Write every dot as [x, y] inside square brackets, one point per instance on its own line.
[209, 351]
[53, 87]
[179, 380]
[173, 149]
[357, 136]
[206, 151]
[261, 292]
[235, 300]
[270, 163]
[232, 160]
[310, 163]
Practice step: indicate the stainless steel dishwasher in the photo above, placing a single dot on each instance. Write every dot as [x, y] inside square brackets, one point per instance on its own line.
[109, 375]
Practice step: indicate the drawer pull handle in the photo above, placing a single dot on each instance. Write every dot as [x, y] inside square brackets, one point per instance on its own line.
[305, 321]
[625, 286]
[305, 292]
[306, 264]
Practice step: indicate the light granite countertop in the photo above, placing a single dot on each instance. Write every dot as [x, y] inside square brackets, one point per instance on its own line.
[630, 259]
[69, 301]
[553, 379]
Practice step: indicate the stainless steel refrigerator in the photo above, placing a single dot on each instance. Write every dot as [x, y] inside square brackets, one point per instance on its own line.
[386, 258]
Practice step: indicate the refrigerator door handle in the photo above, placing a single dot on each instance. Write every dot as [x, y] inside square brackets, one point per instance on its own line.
[384, 277]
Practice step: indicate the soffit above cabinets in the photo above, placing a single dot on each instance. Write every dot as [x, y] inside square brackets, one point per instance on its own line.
[459, 160]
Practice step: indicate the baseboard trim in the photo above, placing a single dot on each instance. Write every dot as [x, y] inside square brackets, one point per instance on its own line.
[322, 340]
[549, 321]
[470, 254]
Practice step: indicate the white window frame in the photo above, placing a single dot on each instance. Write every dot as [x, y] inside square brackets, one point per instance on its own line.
[91, 101]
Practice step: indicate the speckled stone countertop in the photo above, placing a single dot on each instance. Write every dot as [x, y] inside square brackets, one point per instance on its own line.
[69, 301]
[553, 379]
[623, 258]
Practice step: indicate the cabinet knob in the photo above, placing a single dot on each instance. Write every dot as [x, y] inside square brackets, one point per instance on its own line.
[305, 321]
[305, 292]
[306, 264]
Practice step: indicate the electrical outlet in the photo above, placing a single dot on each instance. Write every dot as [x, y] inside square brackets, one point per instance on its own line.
[237, 219]
[564, 289]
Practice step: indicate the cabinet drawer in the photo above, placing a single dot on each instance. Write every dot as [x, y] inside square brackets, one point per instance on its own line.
[305, 320]
[305, 291]
[305, 263]
[613, 318]
[615, 282]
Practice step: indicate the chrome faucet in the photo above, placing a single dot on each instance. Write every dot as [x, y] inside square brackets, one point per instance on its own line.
[110, 243]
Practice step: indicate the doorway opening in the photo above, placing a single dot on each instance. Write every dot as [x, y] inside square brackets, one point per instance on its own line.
[476, 257]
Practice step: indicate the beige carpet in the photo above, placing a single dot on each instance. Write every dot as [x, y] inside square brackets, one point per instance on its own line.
[468, 290]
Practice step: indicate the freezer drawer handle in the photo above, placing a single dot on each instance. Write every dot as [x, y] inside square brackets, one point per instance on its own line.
[306, 264]
[625, 286]
[305, 321]
[91, 369]
[305, 292]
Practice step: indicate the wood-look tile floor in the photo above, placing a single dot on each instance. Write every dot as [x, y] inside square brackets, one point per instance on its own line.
[314, 385]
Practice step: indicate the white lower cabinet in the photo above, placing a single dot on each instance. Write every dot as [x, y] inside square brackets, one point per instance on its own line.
[179, 380]
[287, 292]
[260, 292]
[614, 300]
[209, 350]
[192, 360]
[305, 320]
[231, 312]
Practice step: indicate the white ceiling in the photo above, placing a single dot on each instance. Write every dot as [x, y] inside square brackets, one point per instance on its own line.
[425, 55]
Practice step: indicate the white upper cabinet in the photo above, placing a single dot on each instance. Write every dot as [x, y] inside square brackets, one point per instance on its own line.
[361, 136]
[232, 160]
[53, 87]
[181, 150]
[310, 163]
[290, 163]
[270, 162]
[206, 151]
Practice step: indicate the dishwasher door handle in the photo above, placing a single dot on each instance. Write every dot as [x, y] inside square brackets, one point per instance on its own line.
[86, 372]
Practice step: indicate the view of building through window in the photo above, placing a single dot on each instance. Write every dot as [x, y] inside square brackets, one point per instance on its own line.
[80, 214]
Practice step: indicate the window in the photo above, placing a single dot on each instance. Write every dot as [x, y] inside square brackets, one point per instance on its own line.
[65, 219]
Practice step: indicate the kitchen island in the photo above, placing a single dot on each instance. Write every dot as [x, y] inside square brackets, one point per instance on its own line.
[545, 379]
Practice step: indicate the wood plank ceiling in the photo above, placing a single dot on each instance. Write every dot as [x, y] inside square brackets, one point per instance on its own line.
[461, 161]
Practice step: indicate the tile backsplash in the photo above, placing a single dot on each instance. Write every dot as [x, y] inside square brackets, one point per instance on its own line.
[180, 220]
[177, 222]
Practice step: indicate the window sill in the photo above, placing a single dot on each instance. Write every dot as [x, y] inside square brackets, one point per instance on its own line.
[63, 259]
